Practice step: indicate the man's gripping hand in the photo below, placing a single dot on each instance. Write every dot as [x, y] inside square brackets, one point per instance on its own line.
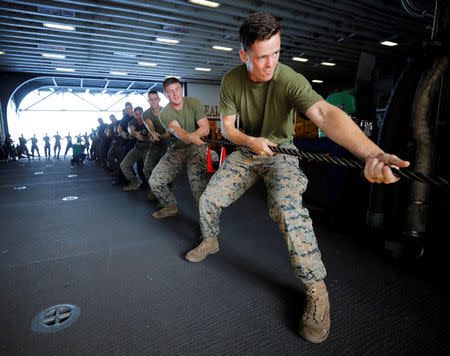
[378, 169]
[261, 146]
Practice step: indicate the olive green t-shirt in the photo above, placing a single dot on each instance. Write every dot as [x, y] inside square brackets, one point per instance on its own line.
[148, 114]
[265, 108]
[187, 117]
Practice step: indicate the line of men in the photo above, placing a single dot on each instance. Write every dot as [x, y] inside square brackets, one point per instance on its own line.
[12, 152]
[131, 147]
[141, 139]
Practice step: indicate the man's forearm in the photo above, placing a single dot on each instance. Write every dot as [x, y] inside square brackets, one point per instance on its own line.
[234, 135]
[340, 128]
[180, 133]
[346, 133]
[201, 131]
[150, 127]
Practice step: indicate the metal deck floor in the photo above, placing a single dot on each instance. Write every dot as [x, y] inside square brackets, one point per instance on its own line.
[137, 295]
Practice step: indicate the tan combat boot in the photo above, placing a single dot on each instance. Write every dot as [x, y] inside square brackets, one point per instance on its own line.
[207, 247]
[315, 322]
[131, 186]
[165, 212]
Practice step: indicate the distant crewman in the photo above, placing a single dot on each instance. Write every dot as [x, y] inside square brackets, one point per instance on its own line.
[161, 139]
[137, 129]
[69, 143]
[113, 154]
[86, 143]
[34, 146]
[46, 140]
[9, 148]
[57, 145]
[94, 139]
[23, 149]
[78, 154]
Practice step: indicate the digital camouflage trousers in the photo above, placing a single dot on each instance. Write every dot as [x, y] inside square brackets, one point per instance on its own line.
[285, 183]
[194, 158]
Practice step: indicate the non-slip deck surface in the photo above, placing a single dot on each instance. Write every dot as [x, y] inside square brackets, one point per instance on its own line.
[137, 295]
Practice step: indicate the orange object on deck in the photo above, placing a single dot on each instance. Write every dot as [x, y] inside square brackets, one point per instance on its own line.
[209, 163]
[223, 155]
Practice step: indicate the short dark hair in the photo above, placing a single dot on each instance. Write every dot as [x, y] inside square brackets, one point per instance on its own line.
[128, 104]
[258, 26]
[152, 91]
[138, 108]
[168, 81]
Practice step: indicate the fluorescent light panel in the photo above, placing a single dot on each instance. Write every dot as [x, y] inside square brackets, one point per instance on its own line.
[167, 40]
[65, 69]
[203, 69]
[329, 64]
[205, 3]
[173, 76]
[125, 54]
[118, 73]
[2, 52]
[221, 48]
[299, 59]
[147, 64]
[389, 43]
[317, 81]
[59, 26]
[51, 55]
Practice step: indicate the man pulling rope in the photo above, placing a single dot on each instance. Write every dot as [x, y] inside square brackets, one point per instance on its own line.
[264, 92]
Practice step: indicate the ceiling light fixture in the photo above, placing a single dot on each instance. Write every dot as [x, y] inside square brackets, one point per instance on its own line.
[50, 55]
[2, 52]
[203, 69]
[65, 69]
[329, 64]
[317, 81]
[167, 40]
[59, 27]
[205, 3]
[147, 64]
[173, 76]
[118, 73]
[220, 48]
[389, 43]
[125, 54]
[299, 59]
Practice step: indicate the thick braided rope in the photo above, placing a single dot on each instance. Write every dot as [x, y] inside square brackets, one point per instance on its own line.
[345, 162]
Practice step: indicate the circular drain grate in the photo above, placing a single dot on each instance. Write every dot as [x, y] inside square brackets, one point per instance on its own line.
[20, 188]
[38, 173]
[72, 175]
[70, 198]
[55, 318]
